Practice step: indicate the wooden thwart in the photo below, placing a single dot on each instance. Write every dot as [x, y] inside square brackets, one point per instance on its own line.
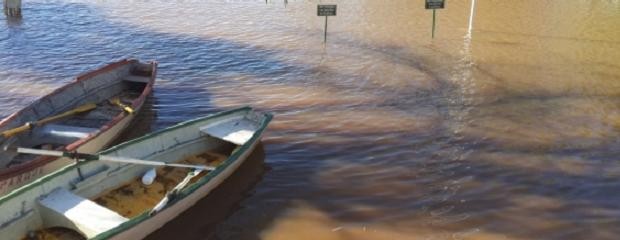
[68, 210]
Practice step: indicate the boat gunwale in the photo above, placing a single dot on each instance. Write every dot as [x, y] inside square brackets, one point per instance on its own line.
[10, 172]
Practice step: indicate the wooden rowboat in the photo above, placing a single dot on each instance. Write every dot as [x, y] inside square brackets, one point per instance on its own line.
[109, 200]
[60, 124]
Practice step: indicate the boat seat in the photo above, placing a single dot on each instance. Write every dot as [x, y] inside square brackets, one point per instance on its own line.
[237, 131]
[63, 134]
[135, 78]
[62, 208]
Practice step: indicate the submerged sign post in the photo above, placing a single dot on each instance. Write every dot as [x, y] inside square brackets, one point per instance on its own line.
[326, 10]
[434, 4]
[13, 8]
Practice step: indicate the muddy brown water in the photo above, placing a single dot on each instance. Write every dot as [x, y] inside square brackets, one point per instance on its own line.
[509, 131]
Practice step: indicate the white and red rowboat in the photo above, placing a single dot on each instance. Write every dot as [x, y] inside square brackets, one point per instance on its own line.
[85, 115]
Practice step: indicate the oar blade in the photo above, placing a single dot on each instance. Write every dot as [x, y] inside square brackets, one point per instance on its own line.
[12, 132]
[117, 101]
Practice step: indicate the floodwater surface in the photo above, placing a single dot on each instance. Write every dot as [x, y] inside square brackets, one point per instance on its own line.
[508, 131]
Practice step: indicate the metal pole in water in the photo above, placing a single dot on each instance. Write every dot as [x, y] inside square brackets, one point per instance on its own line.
[13, 8]
[325, 36]
[433, 33]
[471, 18]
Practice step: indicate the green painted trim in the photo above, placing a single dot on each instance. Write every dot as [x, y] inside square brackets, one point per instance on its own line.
[191, 188]
[173, 127]
[122, 227]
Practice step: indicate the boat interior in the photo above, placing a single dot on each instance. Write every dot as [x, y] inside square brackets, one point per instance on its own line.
[111, 92]
[70, 213]
[134, 197]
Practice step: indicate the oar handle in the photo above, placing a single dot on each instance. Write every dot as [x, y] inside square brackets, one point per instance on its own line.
[40, 152]
[73, 155]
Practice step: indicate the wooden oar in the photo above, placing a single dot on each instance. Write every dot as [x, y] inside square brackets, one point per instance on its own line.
[117, 101]
[12, 132]
[93, 157]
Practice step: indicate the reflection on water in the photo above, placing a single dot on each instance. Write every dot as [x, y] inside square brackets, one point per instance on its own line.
[509, 132]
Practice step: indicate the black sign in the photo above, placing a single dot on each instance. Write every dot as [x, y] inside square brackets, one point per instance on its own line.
[435, 4]
[326, 10]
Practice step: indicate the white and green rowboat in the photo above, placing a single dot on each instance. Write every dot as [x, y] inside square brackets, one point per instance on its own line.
[77, 197]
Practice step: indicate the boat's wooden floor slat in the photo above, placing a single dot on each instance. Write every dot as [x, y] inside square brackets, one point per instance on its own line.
[54, 234]
[134, 198]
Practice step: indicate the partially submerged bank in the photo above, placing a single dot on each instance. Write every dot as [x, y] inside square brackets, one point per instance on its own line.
[102, 200]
